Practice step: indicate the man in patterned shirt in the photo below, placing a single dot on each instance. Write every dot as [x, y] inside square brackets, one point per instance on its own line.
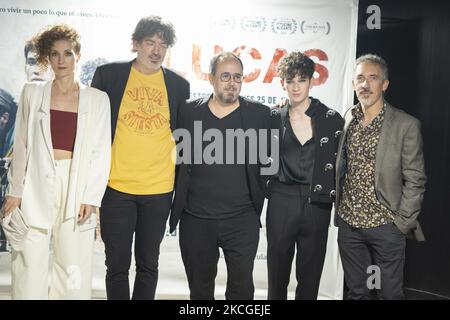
[380, 179]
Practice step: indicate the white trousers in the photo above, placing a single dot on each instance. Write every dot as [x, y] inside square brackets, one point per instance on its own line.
[71, 264]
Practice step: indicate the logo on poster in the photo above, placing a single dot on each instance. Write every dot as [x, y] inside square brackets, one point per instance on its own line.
[284, 26]
[253, 24]
[224, 23]
[315, 27]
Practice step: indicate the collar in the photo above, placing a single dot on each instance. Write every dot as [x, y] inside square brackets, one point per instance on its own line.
[357, 112]
[313, 110]
[205, 100]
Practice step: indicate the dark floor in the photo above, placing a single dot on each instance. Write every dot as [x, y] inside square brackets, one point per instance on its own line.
[413, 294]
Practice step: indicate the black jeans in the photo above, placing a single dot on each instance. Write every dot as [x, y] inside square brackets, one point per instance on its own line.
[382, 247]
[200, 240]
[292, 221]
[123, 215]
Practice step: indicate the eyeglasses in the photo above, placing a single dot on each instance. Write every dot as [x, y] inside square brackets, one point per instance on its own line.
[226, 76]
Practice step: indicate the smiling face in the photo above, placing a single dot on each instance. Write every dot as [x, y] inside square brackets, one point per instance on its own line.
[227, 92]
[369, 84]
[151, 52]
[63, 59]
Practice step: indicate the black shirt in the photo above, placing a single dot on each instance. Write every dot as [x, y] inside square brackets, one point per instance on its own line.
[218, 190]
[297, 160]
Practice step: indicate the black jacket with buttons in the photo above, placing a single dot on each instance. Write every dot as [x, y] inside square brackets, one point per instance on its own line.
[327, 128]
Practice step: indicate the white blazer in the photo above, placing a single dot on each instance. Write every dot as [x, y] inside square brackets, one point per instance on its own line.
[32, 172]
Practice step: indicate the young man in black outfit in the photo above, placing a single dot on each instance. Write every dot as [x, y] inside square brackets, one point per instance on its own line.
[302, 193]
[219, 197]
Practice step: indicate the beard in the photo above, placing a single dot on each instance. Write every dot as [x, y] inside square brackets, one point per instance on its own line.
[228, 97]
[364, 95]
[155, 57]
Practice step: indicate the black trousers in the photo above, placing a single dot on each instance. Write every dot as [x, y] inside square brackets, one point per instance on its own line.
[292, 221]
[123, 215]
[200, 240]
[382, 247]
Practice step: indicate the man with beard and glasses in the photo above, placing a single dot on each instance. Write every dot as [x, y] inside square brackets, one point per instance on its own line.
[218, 194]
[380, 178]
[145, 101]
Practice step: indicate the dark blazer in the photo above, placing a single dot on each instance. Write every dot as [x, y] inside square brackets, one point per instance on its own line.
[327, 128]
[254, 115]
[112, 78]
[399, 168]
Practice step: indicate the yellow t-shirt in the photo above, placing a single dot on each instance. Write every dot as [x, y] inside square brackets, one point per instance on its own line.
[141, 161]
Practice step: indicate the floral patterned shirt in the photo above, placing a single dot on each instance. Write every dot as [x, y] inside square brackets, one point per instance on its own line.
[359, 206]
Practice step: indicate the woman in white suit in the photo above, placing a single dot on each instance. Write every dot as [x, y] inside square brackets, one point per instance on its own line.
[58, 174]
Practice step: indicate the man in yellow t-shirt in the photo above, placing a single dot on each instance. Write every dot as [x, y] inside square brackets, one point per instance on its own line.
[145, 99]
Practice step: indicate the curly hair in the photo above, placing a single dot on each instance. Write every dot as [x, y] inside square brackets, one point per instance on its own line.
[45, 39]
[295, 64]
[151, 25]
